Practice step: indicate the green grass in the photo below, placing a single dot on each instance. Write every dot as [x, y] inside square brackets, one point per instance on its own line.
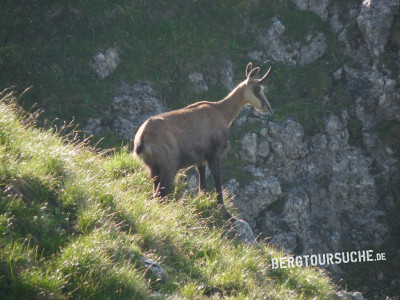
[75, 223]
[58, 192]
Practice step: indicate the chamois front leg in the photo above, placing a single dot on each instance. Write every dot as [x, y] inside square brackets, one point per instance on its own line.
[214, 164]
[201, 169]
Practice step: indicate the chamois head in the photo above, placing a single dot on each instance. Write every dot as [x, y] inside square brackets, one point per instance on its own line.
[254, 90]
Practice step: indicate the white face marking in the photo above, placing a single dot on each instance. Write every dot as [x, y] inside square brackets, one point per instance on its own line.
[257, 98]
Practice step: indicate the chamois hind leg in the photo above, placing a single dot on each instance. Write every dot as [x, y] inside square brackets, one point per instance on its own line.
[201, 169]
[163, 179]
[214, 164]
[155, 177]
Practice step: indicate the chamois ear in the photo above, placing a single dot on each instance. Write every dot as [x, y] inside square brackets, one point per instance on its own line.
[248, 68]
[251, 76]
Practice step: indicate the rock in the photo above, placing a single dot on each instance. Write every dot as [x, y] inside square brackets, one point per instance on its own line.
[296, 210]
[133, 105]
[329, 194]
[93, 126]
[263, 149]
[334, 21]
[232, 187]
[376, 98]
[192, 182]
[255, 55]
[257, 195]
[288, 139]
[342, 295]
[336, 133]
[104, 64]
[317, 6]
[264, 132]
[248, 148]
[159, 295]
[388, 100]
[276, 49]
[198, 82]
[244, 233]
[286, 241]
[374, 21]
[154, 268]
[337, 75]
[314, 50]
[227, 75]
[291, 53]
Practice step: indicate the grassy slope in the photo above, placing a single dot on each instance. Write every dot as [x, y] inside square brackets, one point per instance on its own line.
[48, 44]
[75, 223]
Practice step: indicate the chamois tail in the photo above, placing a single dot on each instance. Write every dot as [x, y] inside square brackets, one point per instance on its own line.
[139, 148]
[143, 150]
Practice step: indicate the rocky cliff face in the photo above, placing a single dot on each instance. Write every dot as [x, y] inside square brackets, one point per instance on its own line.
[310, 195]
[330, 190]
[133, 104]
[323, 193]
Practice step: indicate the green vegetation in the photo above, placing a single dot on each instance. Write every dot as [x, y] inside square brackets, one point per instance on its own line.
[49, 45]
[75, 223]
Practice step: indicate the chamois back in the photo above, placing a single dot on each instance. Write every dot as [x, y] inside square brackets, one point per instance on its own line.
[196, 135]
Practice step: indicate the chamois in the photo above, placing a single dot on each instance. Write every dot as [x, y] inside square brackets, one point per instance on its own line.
[196, 135]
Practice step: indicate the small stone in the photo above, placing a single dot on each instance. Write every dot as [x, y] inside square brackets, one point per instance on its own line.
[244, 233]
[154, 267]
[105, 64]
[263, 149]
[337, 75]
[198, 82]
[264, 132]
[255, 55]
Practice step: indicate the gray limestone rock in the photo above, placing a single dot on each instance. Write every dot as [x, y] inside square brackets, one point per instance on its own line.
[248, 148]
[313, 50]
[343, 295]
[374, 21]
[227, 75]
[244, 233]
[257, 195]
[287, 139]
[104, 64]
[317, 6]
[329, 194]
[154, 268]
[198, 82]
[291, 53]
[132, 105]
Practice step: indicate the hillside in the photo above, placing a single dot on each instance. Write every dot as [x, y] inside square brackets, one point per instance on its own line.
[54, 48]
[75, 222]
[321, 175]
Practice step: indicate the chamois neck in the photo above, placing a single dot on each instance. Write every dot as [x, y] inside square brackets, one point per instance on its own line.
[231, 105]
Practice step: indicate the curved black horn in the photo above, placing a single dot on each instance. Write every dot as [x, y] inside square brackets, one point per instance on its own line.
[269, 71]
